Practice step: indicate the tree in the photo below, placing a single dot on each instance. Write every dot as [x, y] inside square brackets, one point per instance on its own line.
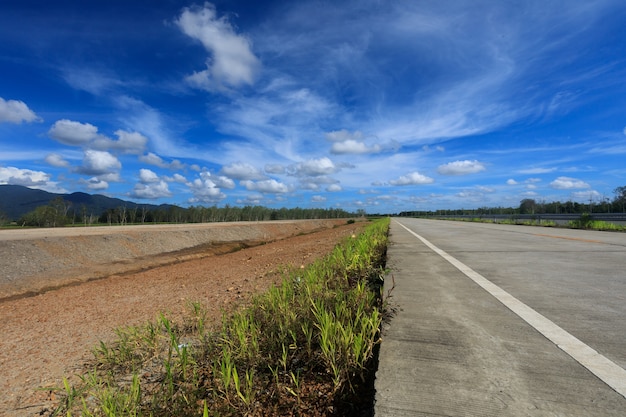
[527, 206]
[620, 199]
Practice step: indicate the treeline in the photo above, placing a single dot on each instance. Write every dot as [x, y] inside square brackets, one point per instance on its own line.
[62, 213]
[531, 206]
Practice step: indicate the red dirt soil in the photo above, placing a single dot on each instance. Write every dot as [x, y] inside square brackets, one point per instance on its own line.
[50, 335]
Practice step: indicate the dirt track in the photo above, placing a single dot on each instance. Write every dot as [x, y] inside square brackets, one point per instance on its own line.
[49, 335]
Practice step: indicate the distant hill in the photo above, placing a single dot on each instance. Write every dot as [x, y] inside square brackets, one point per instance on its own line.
[16, 200]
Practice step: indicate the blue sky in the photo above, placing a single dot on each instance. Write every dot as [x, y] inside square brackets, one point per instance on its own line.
[377, 105]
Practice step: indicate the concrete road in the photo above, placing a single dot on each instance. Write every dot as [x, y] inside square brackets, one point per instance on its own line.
[495, 320]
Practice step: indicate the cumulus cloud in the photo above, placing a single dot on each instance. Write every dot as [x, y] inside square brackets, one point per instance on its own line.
[73, 133]
[69, 132]
[205, 190]
[334, 188]
[99, 163]
[414, 178]
[127, 142]
[156, 160]
[567, 183]
[267, 186]
[354, 147]
[511, 182]
[15, 111]
[318, 199]
[345, 142]
[56, 160]
[147, 176]
[176, 178]
[461, 168]
[219, 180]
[151, 191]
[95, 184]
[314, 167]
[232, 62]
[274, 169]
[242, 171]
[24, 177]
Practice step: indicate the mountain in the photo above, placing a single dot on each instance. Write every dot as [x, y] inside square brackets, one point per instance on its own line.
[16, 201]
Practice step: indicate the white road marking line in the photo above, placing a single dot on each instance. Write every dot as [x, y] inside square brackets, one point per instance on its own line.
[605, 369]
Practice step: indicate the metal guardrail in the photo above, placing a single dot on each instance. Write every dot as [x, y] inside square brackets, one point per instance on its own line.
[608, 217]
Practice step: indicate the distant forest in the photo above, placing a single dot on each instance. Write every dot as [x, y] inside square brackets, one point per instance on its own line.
[60, 212]
[532, 206]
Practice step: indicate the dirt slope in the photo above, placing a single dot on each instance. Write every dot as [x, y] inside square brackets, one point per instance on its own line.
[49, 335]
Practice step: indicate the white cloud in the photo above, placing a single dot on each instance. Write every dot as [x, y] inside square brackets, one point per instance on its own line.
[56, 160]
[461, 168]
[567, 183]
[219, 180]
[314, 167]
[154, 159]
[94, 184]
[176, 178]
[147, 176]
[511, 182]
[25, 177]
[267, 186]
[414, 178]
[334, 188]
[232, 62]
[99, 163]
[242, 171]
[205, 191]
[73, 133]
[15, 111]
[318, 199]
[345, 142]
[151, 191]
[274, 169]
[127, 142]
[351, 146]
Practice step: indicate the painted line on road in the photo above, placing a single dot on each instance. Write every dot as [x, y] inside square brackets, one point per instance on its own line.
[605, 369]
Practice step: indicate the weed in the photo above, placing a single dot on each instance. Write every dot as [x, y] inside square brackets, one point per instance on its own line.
[314, 333]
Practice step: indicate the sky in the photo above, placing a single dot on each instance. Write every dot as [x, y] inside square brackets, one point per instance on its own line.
[382, 106]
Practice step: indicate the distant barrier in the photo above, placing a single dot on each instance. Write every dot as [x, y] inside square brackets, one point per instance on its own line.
[617, 218]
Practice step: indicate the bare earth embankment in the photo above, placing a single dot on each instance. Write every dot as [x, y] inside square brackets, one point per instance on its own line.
[64, 290]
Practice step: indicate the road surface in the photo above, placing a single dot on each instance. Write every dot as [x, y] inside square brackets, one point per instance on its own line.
[496, 320]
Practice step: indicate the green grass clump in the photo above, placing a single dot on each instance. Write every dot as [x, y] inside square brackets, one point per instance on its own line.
[305, 346]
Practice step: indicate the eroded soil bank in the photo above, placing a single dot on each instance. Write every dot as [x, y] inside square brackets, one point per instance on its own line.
[36, 260]
[50, 335]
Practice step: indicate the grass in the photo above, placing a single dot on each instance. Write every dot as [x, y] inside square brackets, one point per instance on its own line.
[305, 347]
